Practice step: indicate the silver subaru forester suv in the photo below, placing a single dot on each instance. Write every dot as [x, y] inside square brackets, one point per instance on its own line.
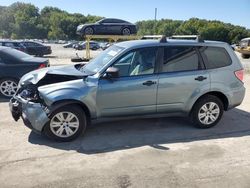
[193, 78]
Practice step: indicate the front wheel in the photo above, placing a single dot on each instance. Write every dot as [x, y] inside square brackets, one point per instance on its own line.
[207, 112]
[89, 31]
[66, 123]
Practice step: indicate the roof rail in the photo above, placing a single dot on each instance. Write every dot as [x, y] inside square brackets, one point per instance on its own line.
[163, 39]
[198, 38]
[151, 37]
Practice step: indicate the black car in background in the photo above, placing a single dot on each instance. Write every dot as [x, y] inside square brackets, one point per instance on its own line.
[13, 44]
[107, 26]
[70, 44]
[37, 49]
[82, 45]
[13, 65]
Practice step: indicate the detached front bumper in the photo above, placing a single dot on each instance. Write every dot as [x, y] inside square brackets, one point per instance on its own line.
[33, 114]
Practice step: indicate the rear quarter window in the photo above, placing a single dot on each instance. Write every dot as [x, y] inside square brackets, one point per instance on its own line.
[215, 57]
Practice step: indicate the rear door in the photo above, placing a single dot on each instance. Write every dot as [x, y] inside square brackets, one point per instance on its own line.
[182, 77]
[102, 27]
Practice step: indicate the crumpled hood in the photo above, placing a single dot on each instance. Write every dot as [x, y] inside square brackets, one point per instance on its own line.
[35, 76]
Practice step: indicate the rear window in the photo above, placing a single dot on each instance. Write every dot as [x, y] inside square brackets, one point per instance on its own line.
[215, 57]
[244, 43]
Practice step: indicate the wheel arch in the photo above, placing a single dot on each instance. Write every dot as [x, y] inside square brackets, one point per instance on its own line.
[10, 77]
[66, 102]
[218, 94]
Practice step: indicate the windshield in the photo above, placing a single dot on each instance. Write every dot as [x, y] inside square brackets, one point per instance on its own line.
[96, 64]
[244, 43]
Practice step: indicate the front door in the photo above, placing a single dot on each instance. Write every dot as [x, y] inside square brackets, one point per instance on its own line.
[134, 92]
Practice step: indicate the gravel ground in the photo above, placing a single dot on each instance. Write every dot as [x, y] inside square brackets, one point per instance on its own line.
[160, 152]
[62, 56]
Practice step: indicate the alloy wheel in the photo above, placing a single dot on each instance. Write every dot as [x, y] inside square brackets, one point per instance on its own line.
[8, 88]
[64, 124]
[89, 31]
[126, 31]
[209, 113]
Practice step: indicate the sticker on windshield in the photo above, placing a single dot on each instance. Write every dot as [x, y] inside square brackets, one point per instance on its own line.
[112, 53]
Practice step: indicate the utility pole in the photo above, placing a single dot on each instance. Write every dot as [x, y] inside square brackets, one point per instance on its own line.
[155, 21]
[155, 14]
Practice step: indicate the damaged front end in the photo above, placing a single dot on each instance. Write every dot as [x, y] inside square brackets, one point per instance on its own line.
[27, 102]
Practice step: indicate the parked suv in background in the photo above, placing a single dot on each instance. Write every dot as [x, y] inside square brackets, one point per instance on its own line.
[244, 48]
[13, 44]
[196, 79]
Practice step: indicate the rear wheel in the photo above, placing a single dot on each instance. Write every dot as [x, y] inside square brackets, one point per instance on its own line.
[126, 31]
[207, 111]
[245, 56]
[66, 123]
[8, 87]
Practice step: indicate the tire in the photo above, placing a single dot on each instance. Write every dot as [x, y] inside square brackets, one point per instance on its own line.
[63, 130]
[206, 119]
[8, 87]
[76, 59]
[245, 56]
[126, 31]
[88, 31]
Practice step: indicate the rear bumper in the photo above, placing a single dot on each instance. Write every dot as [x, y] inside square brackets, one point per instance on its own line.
[236, 97]
[33, 115]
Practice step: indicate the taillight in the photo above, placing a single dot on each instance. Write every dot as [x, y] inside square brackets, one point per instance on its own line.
[239, 74]
[42, 66]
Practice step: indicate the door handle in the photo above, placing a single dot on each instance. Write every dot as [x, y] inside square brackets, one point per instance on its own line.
[148, 83]
[200, 78]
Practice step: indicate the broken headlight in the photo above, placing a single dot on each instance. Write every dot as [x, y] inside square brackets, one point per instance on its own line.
[29, 94]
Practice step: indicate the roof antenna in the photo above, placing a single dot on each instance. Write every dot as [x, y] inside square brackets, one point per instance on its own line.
[163, 39]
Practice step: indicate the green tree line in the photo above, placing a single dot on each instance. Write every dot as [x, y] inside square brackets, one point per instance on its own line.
[24, 20]
[209, 30]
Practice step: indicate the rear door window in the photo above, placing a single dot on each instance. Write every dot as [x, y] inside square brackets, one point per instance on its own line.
[180, 58]
[215, 57]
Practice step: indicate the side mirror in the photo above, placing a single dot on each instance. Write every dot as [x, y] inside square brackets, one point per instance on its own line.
[112, 72]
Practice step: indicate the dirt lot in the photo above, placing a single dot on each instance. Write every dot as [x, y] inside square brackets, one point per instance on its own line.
[163, 152]
[62, 56]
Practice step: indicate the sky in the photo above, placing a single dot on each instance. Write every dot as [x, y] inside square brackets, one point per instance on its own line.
[236, 12]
